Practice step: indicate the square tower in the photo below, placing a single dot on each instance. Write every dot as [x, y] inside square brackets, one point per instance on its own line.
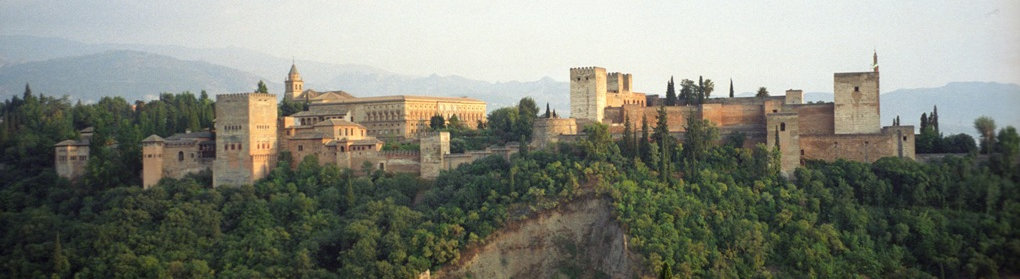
[587, 93]
[856, 103]
[246, 138]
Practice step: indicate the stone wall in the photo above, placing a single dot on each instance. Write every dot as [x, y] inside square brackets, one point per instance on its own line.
[70, 160]
[815, 119]
[891, 142]
[547, 131]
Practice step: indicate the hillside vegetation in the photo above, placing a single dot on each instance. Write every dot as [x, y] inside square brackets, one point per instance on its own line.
[691, 210]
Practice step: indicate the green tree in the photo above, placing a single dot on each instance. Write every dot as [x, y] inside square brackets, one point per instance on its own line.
[262, 88]
[437, 122]
[688, 92]
[762, 92]
[644, 147]
[664, 141]
[708, 87]
[986, 128]
[731, 88]
[671, 97]
[626, 143]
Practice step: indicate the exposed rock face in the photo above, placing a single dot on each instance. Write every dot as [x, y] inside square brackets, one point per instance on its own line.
[580, 239]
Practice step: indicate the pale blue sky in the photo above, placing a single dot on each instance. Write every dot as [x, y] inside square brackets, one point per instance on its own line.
[779, 45]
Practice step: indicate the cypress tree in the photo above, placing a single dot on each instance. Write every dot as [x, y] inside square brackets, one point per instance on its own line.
[645, 146]
[701, 90]
[626, 144]
[924, 121]
[671, 99]
[731, 88]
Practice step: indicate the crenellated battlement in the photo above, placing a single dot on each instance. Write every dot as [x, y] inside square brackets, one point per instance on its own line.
[580, 71]
[241, 96]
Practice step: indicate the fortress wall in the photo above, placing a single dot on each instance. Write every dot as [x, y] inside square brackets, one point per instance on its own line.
[724, 114]
[547, 131]
[892, 142]
[180, 160]
[301, 148]
[815, 118]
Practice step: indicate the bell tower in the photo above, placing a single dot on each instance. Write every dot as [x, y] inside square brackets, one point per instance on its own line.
[293, 85]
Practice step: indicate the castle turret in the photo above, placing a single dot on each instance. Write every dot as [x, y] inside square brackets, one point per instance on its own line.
[293, 85]
[152, 161]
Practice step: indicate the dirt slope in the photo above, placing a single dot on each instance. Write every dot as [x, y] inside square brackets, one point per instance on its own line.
[580, 239]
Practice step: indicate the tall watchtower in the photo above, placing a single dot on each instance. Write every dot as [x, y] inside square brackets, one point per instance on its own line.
[857, 102]
[152, 160]
[246, 138]
[293, 85]
[587, 93]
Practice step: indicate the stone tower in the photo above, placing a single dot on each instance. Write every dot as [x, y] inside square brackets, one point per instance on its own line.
[857, 102]
[434, 149]
[246, 138]
[293, 85]
[152, 161]
[783, 130]
[587, 94]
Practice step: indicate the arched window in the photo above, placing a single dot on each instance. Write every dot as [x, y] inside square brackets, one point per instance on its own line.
[782, 126]
[180, 155]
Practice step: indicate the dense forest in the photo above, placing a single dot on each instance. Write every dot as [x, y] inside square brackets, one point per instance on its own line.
[696, 209]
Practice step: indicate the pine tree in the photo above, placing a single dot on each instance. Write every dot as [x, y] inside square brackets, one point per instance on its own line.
[548, 113]
[671, 98]
[731, 88]
[935, 118]
[28, 92]
[666, 273]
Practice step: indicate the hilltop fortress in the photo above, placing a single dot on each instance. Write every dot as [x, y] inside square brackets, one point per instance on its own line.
[344, 130]
[848, 128]
[337, 128]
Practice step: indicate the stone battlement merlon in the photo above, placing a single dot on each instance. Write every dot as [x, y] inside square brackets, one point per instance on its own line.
[238, 96]
[854, 74]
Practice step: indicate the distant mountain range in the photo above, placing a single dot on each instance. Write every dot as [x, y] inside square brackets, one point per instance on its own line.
[131, 74]
[89, 71]
[18, 52]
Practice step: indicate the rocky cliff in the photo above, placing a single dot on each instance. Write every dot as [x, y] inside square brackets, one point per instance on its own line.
[579, 239]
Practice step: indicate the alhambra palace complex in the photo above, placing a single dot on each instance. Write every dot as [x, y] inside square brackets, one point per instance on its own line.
[342, 129]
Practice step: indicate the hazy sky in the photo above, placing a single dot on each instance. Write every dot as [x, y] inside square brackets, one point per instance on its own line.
[779, 45]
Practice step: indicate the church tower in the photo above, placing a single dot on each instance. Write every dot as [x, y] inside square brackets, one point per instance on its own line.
[293, 85]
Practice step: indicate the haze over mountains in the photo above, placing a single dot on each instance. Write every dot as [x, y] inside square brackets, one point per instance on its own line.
[89, 71]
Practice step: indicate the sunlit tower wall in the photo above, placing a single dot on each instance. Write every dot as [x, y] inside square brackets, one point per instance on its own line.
[587, 93]
[246, 138]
